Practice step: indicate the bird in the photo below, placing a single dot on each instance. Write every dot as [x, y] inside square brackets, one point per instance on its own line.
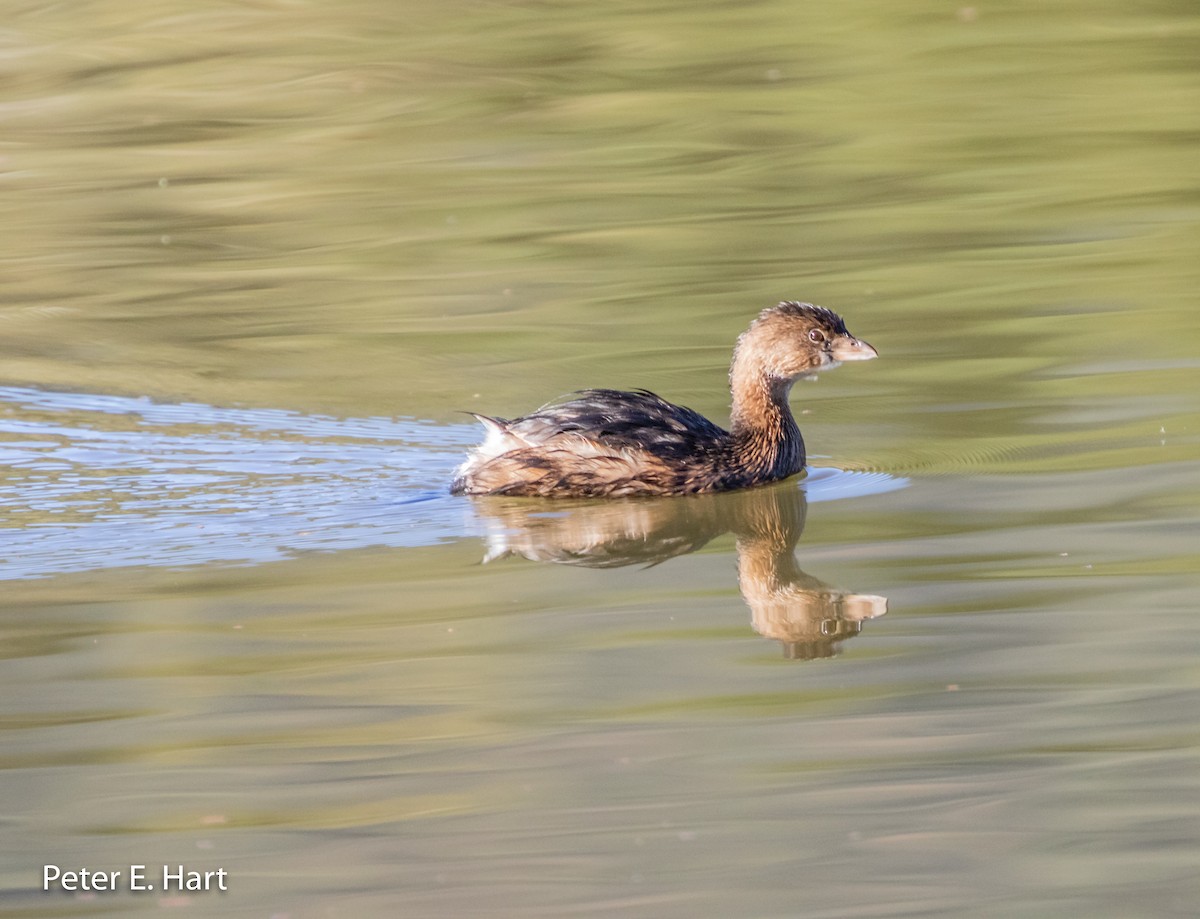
[606, 443]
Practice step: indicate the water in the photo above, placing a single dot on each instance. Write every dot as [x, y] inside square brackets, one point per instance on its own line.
[258, 259]
[110, 481]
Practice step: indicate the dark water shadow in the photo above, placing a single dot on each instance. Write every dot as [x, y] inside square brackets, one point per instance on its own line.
[807, 616]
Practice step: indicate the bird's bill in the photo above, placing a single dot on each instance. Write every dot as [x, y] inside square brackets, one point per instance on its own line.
[851, 349]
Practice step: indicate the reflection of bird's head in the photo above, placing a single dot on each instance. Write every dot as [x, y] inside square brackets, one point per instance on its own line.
[810, 621]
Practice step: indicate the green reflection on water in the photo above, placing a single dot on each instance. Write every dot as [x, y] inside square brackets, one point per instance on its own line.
[419, 208]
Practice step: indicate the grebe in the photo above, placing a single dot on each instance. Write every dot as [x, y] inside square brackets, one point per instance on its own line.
[606, 443]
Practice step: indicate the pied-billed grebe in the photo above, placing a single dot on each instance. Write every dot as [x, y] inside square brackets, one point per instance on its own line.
[605, 443]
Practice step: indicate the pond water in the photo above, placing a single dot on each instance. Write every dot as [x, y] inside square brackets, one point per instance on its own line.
[259, 258]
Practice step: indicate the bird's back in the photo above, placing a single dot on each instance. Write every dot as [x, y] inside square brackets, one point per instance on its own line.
[597, 442]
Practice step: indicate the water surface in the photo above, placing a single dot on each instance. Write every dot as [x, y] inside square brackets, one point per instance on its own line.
[259, 258]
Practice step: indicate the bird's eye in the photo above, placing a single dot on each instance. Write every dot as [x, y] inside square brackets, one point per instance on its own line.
[816, 336]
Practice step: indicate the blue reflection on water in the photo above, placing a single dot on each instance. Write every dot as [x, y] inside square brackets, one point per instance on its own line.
[91, 481]
[94, 481]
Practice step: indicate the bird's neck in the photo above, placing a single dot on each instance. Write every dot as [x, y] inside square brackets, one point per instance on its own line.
[765, 434]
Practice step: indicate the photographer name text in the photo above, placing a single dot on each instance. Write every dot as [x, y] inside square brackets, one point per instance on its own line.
[172, 878]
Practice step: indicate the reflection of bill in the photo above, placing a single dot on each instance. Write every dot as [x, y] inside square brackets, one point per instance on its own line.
[808, 617]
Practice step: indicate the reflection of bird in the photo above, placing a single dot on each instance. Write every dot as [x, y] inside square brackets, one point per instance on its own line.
[607, 443]
[808, 617]
[805, 615]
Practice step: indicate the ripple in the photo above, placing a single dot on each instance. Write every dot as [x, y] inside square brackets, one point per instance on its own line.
[96, 481]
[106, 481]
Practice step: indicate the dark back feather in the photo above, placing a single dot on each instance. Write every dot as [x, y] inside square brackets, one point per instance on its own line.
[639, 420]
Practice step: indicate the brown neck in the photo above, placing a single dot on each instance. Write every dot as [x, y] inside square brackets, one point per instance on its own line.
[766, 437]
